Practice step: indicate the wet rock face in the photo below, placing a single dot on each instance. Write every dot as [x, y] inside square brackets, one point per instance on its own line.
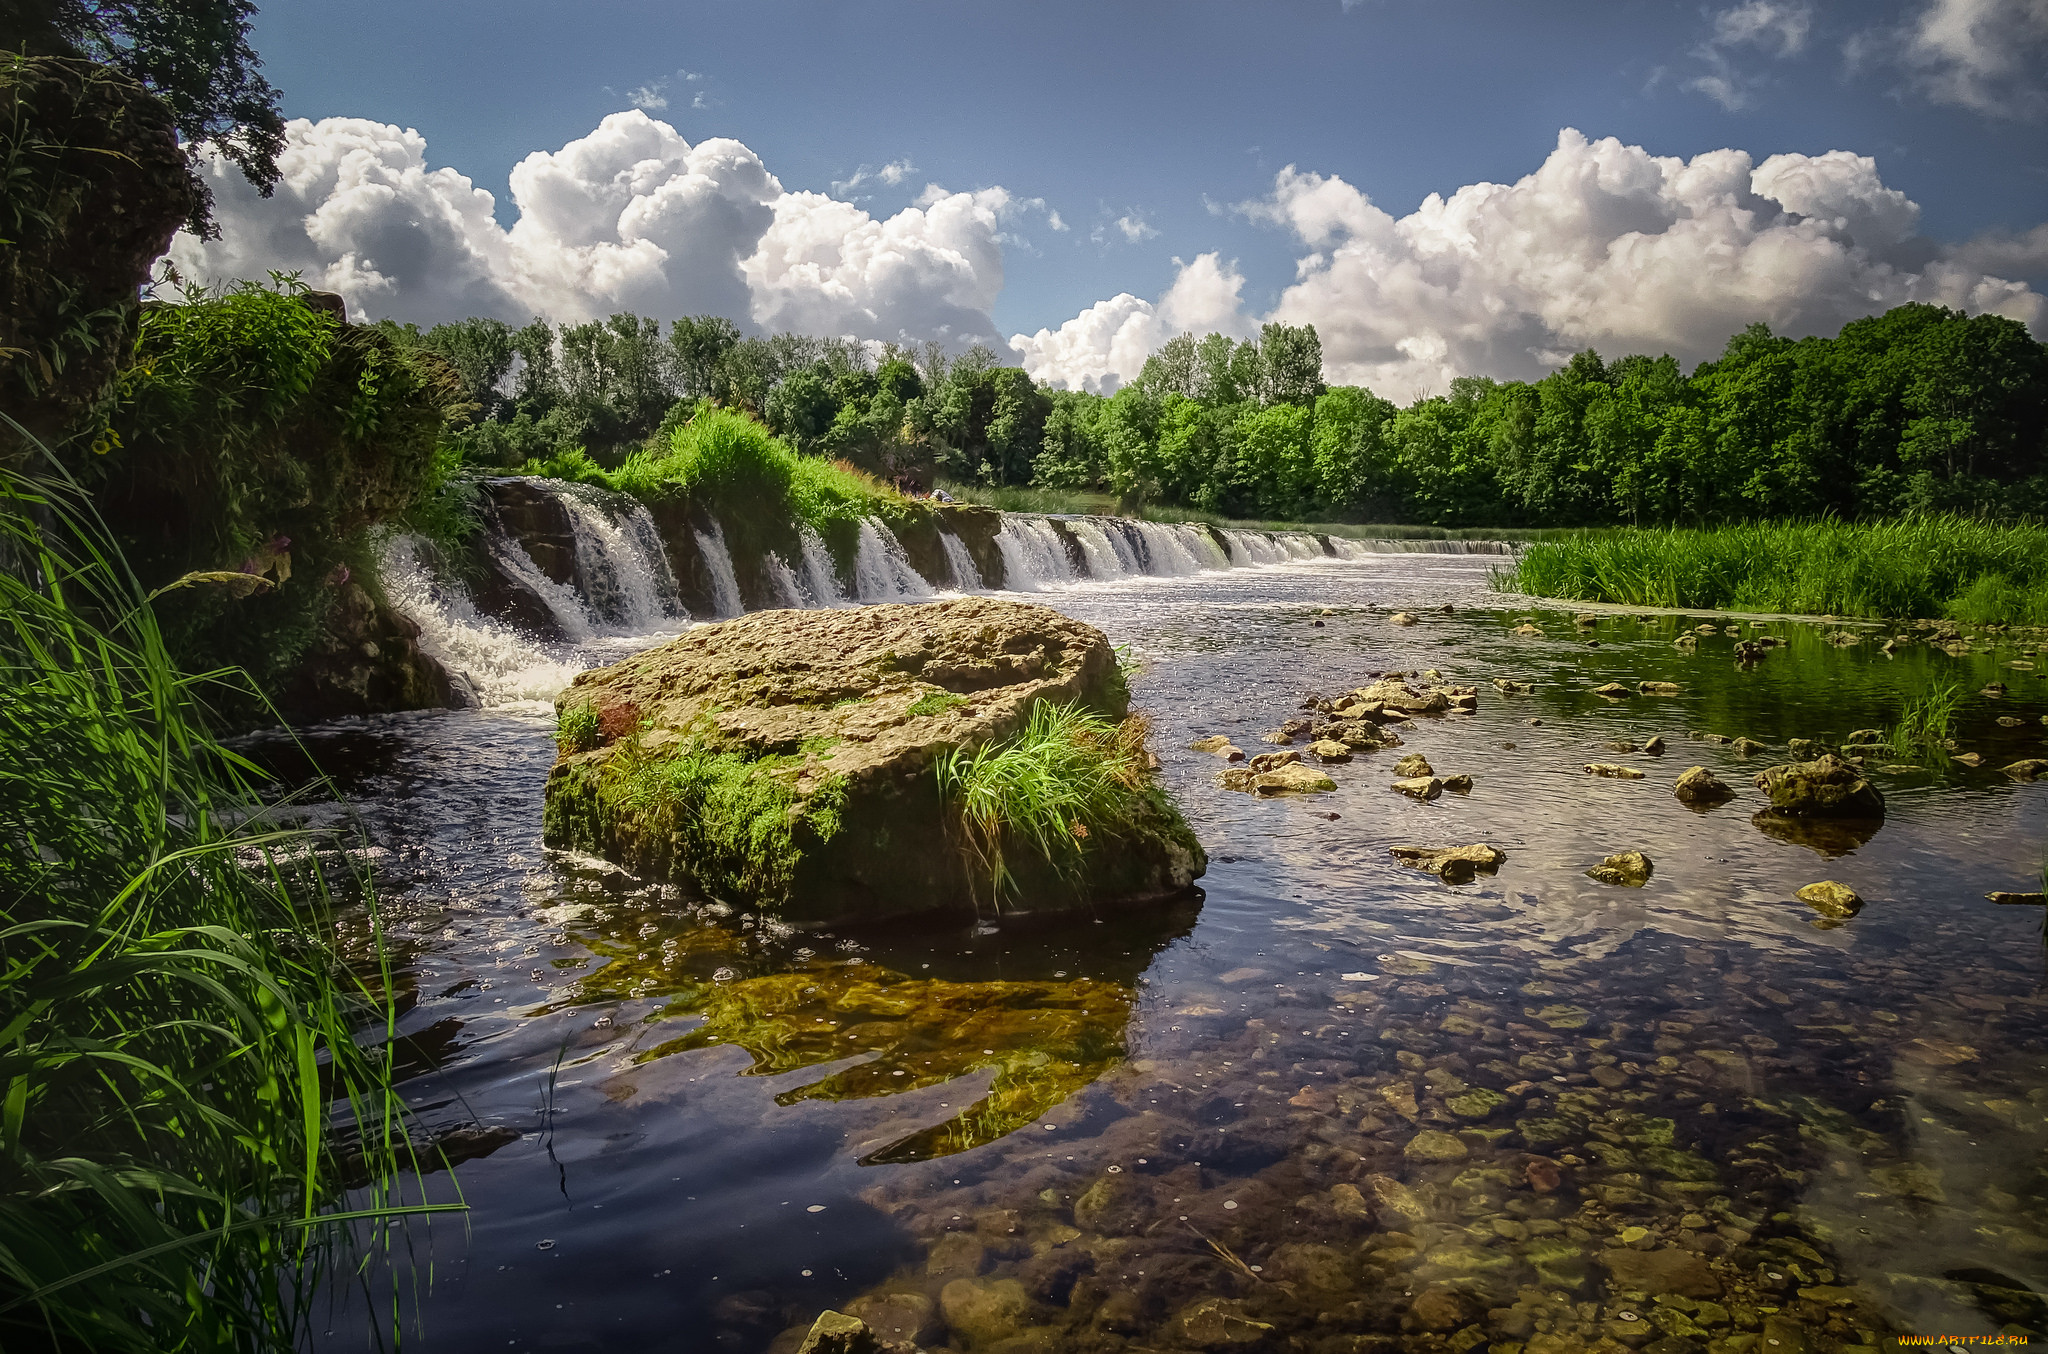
[366, 660]
[1700, 786]
[1826, 787]
[787, 759]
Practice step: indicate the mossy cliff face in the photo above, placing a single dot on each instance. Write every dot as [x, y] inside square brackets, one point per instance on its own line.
[786, 760]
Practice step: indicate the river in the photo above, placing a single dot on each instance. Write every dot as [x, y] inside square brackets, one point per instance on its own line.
[1331, 1104]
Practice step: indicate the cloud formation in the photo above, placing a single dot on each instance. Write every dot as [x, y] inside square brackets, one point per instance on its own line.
[1776, 27]
[1989, 56]
[630, 217]
[1605, 245]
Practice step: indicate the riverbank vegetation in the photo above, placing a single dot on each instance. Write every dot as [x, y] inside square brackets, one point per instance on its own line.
[1919, 410]
[185, 1092]
[1947, 566]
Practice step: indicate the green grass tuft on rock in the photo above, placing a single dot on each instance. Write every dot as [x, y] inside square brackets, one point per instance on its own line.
[1922, 731]
[577, 727]
[1069, 780]
[737, 820]
[1957, 567]
[935, 703]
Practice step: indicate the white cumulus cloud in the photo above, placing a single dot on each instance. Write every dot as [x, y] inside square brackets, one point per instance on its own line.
[1605, 245]
[630, 217]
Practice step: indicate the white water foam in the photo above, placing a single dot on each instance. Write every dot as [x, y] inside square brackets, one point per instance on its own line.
[620, 563]
[1034, 554]
[492, 662]
[821, 574]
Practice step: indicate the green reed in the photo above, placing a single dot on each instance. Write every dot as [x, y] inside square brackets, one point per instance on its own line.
[1924, 725]
[1067, 777]
[181, 1089]
[1958, 567]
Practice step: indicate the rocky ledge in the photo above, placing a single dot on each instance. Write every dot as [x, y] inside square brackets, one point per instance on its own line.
[787, 761]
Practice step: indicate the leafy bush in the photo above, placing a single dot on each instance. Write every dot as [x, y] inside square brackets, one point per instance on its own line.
[185, 1095]
[256, 433]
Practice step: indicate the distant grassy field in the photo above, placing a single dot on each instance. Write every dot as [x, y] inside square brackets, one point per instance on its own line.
[1010, 499]
[1954, 567]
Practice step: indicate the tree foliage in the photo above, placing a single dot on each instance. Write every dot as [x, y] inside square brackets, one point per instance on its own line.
[192, 54]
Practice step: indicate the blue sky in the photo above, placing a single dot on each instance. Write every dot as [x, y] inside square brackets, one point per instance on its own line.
[1165, 116]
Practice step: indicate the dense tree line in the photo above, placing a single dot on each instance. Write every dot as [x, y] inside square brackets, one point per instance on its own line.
[1918, 409]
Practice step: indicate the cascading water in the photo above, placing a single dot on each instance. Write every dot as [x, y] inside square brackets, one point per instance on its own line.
[491, 662]
[1034, 554]
[821, 575]
[624, 591]
[725, 585]
[881, 571]
[966, 578]
[621, 566]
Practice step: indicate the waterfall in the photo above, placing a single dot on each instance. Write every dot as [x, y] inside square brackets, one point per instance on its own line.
[1171, 548]
[725, 585]
[821, 575]
[881, 571]
[966, 578]
[490, 661]
[561, 600]
[1034, 554]
[1352, 548]
[789, 593]
[1103, 559]
[621, 567]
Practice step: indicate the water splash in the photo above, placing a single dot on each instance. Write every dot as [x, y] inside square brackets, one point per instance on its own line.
[882, 572]
[725, 585]
[492, 663]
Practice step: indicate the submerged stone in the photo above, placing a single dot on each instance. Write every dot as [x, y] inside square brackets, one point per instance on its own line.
[1435, 1145]
[1613, 771]
[1631, 868]
[838, 1333]
[1456, 864]
[1831, 899]
[1292, 778]
[786, 760]
[1219, 1323]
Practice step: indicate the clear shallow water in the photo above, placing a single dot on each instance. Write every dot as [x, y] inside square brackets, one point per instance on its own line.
[1344, 1100]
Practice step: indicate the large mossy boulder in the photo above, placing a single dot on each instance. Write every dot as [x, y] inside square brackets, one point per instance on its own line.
[789, 760]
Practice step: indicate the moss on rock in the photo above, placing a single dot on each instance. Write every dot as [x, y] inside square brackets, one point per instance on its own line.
[786, 760]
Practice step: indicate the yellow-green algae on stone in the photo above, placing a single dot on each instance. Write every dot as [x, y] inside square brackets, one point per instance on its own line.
[785, 760]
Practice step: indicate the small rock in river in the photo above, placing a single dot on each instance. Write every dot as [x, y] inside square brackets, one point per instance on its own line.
[1613, 691]
[2027, 769]
[1435, 1145]
[1612, 771]
[2019, 899]
[1746, 747]
[1457, 864]
[1655, 746]
[1414, 764]
[1831, 899]
[1510, 687]
[1293, 778]
[1402, 618]
[1825, 787]
[1329, 750]
[1458, 784]
[1621, 745]
[1701, 786]
[1218, 745]
[837, 1333]
[1273, 761]
[1972, 759]
[1525, 629]
[1631, 868]
[1659, 688]
[1421, 787]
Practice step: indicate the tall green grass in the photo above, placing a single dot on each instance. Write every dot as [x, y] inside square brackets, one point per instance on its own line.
[725, 459]
[1958, 567]
[1924, 724]
[1068, 778]
[181, 1086]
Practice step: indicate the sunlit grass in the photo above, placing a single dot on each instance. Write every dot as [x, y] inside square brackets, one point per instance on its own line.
[1920, 567]
[184, 1091]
